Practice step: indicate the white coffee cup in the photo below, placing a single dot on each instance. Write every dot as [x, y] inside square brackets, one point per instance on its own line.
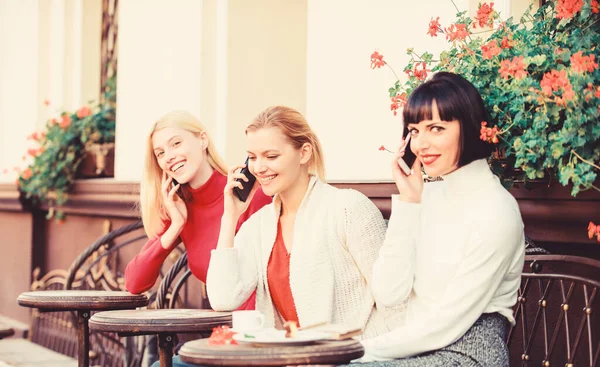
[247, 320]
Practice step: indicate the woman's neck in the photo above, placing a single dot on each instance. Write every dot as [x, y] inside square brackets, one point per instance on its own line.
[202, 175]
[292, 197]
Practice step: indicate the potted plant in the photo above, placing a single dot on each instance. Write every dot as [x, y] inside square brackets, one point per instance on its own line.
[540, 81]
[61, 148]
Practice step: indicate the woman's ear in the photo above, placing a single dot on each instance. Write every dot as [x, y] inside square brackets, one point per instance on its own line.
[204, 139]
[305, 153]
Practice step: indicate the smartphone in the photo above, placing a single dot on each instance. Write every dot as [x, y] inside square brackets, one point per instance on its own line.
[243, 193]
[408, 160]
[179, 191]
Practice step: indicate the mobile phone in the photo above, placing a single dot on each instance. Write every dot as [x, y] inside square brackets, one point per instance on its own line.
[243, 193]
[179, 191]
[408, 160]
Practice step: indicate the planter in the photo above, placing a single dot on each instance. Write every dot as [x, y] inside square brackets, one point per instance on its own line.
[99, 161]
[558, 221]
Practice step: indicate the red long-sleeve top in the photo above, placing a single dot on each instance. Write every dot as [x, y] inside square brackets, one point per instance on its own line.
[200, 234]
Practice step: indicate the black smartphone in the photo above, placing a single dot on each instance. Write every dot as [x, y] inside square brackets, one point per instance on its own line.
[409, 158]
[243, 193]
[179, 191]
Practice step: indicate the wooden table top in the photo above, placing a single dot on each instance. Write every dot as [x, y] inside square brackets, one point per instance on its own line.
[73, 300]
[5, 330]
[324, 352]
[136, 322]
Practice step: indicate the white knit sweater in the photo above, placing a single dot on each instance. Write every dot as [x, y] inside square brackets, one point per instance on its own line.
[337, 235]
[456, 255]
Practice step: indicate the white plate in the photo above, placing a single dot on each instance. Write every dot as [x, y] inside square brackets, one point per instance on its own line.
[274, 337]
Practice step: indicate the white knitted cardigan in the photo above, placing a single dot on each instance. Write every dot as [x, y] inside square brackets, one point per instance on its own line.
[337, 236]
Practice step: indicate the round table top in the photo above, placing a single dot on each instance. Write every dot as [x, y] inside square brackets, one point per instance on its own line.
[159, 321]
[73, 300]
[5, 330]
[327, 352]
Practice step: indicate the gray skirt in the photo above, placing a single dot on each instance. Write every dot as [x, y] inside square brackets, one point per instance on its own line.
[483, 345]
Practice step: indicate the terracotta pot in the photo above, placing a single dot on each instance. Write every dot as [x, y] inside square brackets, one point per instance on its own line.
[99, 161]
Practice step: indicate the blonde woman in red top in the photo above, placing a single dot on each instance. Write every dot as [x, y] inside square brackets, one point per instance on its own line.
[181, 158]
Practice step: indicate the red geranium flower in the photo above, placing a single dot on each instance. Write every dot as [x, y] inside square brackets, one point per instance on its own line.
[376, 60]
[567, 8]
[515, 68]
[83, 112]
[457, 32]
[65, 121]
[489, 134]
[581, 64]
[594, 230]
[434, 27]
[26, 174]
[484, 15]
[221, 335]
[490, 49]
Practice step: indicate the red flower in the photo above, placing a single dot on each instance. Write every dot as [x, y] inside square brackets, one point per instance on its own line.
[484, 15]
[65, 121]
[507, 43]
[382, 148]
[419, 74]
[457, 32]
[398, 101]
[376, 60]
[434, 27]
[555, 81]
[46, 102]
[490, 50]
[515, 68]
[489, 134]
[222, 335]
[594, 230]
[597, 93]
[567, 8]
[594, 5]
[581, 64]
[26, 174]
[83, 112]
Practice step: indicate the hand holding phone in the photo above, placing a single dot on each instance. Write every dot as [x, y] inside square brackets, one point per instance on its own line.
[243, 193]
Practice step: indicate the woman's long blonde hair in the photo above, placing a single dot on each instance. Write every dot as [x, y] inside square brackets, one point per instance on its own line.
[151, 200]
[296, 128]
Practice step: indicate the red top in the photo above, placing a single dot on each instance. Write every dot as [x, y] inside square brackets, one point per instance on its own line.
[200, 234]
[278, 277]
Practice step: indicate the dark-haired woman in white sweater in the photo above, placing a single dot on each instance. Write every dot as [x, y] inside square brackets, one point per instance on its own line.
[454, 248]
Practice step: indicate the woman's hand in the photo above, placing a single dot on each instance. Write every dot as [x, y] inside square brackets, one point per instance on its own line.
[233, 206]
[410, 186]
[173, 204]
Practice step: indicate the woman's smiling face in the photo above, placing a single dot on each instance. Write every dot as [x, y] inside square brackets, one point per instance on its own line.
[179, 152]
[275, 162]
[436, 144]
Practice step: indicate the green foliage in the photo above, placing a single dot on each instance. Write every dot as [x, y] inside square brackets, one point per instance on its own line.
[63, 144]
[545, 133]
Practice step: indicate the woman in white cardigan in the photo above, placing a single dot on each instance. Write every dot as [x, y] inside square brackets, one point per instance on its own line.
[455, 248]
[309, 255]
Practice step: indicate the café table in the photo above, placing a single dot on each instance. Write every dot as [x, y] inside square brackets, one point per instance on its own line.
[6, 331]
[83, 302]
[164, 322]
[199, 352]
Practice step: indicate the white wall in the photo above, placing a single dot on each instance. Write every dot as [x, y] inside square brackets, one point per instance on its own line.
[159, 71]
[347, 102]
[18, 79]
